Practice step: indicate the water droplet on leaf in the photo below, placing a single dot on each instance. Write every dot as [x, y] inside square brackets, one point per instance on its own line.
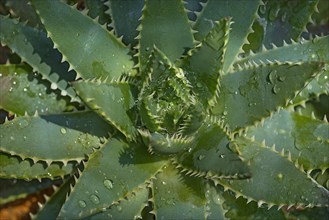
[63, 130]
[82, 203]
[108, 184]
[94, 199]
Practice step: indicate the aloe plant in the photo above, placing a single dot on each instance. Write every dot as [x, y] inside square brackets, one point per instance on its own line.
[165, 109]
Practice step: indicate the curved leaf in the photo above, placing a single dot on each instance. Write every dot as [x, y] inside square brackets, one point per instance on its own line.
[69, 136]
[161, 21]
[111, 101]
[205, 64]
[52, 207]
[128, 208]
[211, 156]
[177, 196]
[33, 46]
[15, 167]
[251, 94]
[98, 8]
[13, 189]
[305, 51]
[285, 20]
[305, 138]
[84, 43]
[110, 174]
[126, 19]
[241, 208]
[275, 179]
[242, 18]
[21, 91]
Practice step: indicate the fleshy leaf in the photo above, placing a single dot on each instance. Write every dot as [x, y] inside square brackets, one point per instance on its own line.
[241, 208]
[285, 20]
[318, 86]
[126, 19]
[215, 208]
[52, 207]
[242, 18]
[15, 167]
[21, 91]
[275, 179]
[110, 174]
[24, 11]
[165, 145]
[306, 51]
[165, 25]
[205, 64]
[13, 189]
[129, 208]
[111, 101]
[177, 196]
[89, 48]
[33, 46]
[251, 94]
[97, 8]
[305, 138]
[73, 136]
[213, 155]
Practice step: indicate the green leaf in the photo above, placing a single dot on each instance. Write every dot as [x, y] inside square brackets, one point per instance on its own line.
[285, 20]
[33, 46]
[165, 144]
[52, 207]
[22, 10]
[111, 101]
[89, 48]
[22, 91]
[305, 138]
[165, 25]
[215, 202]
[306, 51]
[128, 208]
[241, 208]
[13, 189]
[213, 155]
[69, 136]
[98, 8]
[126, 19]
[275, 179]
[242, 18]
[176, 196]
[205, 64]
[318, 86]
[15, 167]
[110, 174]
[252, 93]
[306, 214]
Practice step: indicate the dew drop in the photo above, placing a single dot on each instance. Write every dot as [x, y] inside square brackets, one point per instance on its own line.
[108, 184]
[25, 89]
[163, 183]
[280, 176]
[23, 123]
[272, 76]
[147, 49]
[281, 78]
[221, 156]
[94, 199]
[82, 203]
[63, 130]
[119, 208]
[10, 89]
[201, 157]
[12, 138]
[276, 89]
[225, 113]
